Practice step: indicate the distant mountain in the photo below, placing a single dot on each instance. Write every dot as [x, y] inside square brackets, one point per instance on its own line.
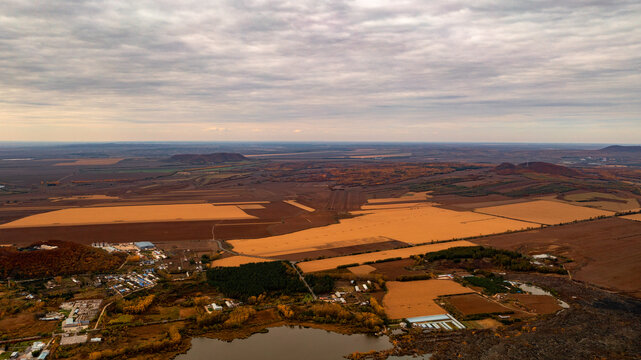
[536, 167]
[621, 149]
[201, 159]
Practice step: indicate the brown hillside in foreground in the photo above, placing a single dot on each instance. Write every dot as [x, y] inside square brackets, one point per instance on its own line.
[201, 159]
[535, 167]
[69, 258]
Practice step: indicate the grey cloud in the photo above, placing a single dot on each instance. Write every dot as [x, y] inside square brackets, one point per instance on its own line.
[247, 61]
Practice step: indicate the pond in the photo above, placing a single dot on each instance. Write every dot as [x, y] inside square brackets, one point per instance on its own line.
[535, 290]
[285, 343]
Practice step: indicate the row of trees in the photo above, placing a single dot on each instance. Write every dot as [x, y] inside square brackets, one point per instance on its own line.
[505, 259]
[220, 319]
[136, 306]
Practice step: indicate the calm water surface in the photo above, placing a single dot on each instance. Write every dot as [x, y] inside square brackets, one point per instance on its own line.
[285, 343]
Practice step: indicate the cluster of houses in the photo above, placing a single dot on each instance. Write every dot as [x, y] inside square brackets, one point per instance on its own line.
[215, 307]
[124, 284]
[34, 351]
[81, 312]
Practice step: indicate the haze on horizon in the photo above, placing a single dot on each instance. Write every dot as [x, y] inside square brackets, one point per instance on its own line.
[491, 71]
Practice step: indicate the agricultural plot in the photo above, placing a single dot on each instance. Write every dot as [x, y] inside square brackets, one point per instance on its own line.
[603, 201]
[300, 206]
[84, 197]
[540, 304]
[544, 212]
[605, 252]
[332, 263]
[87, 162]
[635, 217]
[235, 261]
[362, 269]
[416, 298]
[415, 225]
[474, 304]
[411, 196]
[130, 214]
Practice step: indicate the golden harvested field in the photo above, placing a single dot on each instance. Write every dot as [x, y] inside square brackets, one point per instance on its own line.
[603, 201]
[300, 206]
[416, 298]
[635, 217]
[544, 212]
[410, 196]
[362, 269]
[236, 261]
[251, 206]
[85, 162]
[416, 225]
[130, 214]
[332, 263]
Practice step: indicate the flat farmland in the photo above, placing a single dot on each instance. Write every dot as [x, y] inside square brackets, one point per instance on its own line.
[332, 263]
[412, 225]
[603, 201]
[123, 214]
[235, 261]
[410, 196]
[605, 252]
[362, 269]
[543, 212]
[416, 298]
[540, 304]
[343, 251]
[181, 234]
[87, 162]
[472, 304]
[634, 217]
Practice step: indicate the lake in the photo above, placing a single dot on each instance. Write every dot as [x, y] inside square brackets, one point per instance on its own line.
[285, 343]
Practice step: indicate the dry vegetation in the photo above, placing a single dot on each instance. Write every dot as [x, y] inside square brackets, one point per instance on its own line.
[68, 258]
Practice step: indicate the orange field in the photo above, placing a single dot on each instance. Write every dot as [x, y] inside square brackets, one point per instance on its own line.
[544, 212]
[362, 269]
[85, 162]
[332, 263]
[410, 196]
[125, 214]
[235, 261]
[416, 298]
[300, 206]
[635, 217]
[413, 225]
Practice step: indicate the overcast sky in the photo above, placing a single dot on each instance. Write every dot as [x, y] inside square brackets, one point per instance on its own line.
[366, 70]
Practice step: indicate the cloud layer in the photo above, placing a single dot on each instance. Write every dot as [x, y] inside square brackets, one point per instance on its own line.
[310, 70]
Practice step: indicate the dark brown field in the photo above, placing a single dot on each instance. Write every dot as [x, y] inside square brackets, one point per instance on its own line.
[605, 252]
[471, 304]
[345, 250]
